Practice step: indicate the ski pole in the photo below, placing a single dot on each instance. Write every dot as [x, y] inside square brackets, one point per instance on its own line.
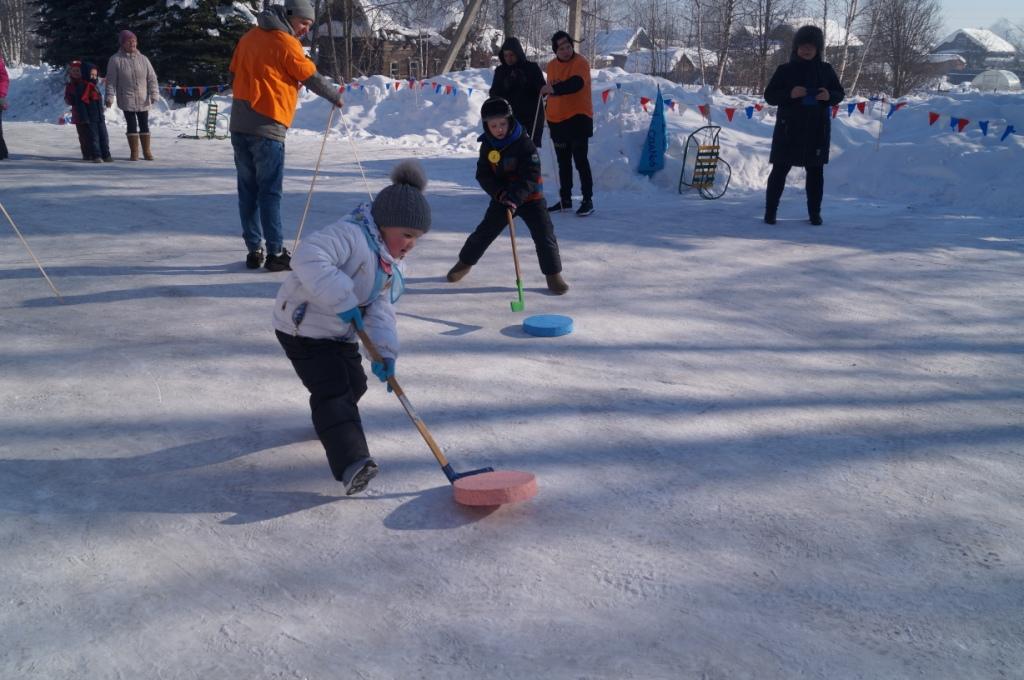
[38, 264]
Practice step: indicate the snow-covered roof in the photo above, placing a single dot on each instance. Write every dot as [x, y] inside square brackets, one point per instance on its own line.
[616, 40]
[942, 57]
[667, 59]
[982, 37]
[835, 34]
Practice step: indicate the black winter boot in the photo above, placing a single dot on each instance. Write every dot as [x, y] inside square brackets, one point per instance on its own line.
[280, 262]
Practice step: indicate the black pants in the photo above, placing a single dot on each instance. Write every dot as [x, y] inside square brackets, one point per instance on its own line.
[3, 144]
[138, 122]
[99, 143]
[777, 182]
[535, 214]
[567, 154]
[333, 373]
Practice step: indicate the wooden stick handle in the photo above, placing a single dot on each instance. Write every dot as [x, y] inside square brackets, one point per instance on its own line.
[409, 410]
[512, 233]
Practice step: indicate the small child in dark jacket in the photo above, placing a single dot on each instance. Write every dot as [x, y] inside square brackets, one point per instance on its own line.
[91, 103]
[73, 92]
[509, 171]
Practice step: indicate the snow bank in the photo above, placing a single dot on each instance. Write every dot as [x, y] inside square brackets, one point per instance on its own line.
[901, 158]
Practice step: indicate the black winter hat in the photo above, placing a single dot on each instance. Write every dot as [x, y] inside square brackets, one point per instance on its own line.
[495, 107]
[809, 35]
[557, 37]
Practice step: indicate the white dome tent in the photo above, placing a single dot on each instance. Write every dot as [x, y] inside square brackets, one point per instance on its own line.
[995, 79]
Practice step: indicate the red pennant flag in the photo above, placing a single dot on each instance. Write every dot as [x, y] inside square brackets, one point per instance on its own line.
[758, 107]
[604, 96]
[932, 117]
[729, 113]
[644, 101]
[835, 110]
[703, 108]
[961, 124]
[860, 106]
[398, 84]
[447, 89]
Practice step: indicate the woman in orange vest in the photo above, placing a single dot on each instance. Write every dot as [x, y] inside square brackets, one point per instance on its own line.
[570, 116]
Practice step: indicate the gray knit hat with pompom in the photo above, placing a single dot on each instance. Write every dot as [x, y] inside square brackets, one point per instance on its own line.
[402, 204]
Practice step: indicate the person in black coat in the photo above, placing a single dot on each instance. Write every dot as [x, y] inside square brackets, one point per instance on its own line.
[805, 89]
[518, 81]
[90, 110]
[508, 169]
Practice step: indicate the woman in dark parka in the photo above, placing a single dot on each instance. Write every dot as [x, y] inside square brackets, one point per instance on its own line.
[805, 89]
[518, 81]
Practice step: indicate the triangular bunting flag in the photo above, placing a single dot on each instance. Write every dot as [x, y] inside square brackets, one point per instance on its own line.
[835, 110]
[387, 86]
[961, 124]
[932, 117]
[758, 107]
[860, 106]
[703, 108]
[749, 111]
[953, 122]
[644, 101]
[983, 124]
[604, 95]
[729, 112]
[849, 108]
[1009, 131]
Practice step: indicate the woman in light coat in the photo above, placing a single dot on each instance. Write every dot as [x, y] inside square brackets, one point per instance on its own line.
[132, 80]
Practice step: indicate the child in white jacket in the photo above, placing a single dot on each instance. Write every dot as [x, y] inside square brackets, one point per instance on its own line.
[345, 277]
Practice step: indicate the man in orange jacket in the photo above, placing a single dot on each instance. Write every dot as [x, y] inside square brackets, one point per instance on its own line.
[268, 67]
[570, 115]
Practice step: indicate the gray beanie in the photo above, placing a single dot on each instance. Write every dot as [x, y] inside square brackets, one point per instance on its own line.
[302, 9]
[402, 204]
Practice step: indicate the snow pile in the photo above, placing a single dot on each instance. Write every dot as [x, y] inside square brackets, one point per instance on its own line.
[873, 157]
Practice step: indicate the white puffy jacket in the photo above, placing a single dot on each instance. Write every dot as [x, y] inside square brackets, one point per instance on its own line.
[132, 80]
[333, 270]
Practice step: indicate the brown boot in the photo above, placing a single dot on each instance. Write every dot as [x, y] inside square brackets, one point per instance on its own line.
[458, 271]
[147, 152]
[556, 284]
[133, 145]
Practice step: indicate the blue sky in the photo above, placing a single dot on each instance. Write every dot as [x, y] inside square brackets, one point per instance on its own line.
[962, 14]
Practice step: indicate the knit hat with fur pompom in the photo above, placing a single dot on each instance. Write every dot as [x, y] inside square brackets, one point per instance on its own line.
[402, 204]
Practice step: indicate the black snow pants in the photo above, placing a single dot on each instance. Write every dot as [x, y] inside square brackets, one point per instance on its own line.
[332, 371]
[569, 153]
[777, 183]
[535, 214]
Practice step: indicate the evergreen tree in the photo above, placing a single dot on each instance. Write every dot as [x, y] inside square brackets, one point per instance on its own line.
[188, 43]
[75, 29]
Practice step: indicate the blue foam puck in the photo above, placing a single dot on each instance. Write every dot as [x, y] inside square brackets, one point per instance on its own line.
[547, 325]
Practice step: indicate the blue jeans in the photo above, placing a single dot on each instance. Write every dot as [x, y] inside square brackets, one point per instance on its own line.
[260, 165]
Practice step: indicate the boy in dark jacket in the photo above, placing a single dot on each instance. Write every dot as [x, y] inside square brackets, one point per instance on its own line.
[518, 81]
[92, 111]
[73, 92]
[509, 171]
[805, 89]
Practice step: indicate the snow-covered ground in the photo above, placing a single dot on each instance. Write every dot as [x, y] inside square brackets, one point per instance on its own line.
[765, 452]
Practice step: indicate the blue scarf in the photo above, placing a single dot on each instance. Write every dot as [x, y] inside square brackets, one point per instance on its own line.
[382, 278]
[500, 144]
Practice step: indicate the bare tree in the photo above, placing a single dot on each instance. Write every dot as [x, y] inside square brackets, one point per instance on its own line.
[872, 19]
[15, 40]
[725, 16]
[906, 30]
[851, 11]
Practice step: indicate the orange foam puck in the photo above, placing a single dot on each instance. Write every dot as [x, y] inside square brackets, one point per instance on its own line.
[495, 488]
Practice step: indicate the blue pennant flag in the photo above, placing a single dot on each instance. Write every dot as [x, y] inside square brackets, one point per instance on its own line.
[653, 157]
[750, 112]
[983, 124]
[953, 122]
[470, 92]
[850, 108]
[1009, 131]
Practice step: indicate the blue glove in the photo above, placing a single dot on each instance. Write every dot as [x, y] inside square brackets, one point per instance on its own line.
[383, 371]
[352, 316]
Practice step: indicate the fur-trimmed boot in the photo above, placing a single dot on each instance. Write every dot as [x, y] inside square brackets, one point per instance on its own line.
[133, 145]
[147, 151]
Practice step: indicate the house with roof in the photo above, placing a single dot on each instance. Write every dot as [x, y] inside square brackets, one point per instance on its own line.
[835, 34]
[678, 64]
[979, 47]
[611, 47]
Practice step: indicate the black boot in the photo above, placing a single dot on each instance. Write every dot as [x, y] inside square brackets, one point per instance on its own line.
[769, 215]
[815, 218]
[563, 204]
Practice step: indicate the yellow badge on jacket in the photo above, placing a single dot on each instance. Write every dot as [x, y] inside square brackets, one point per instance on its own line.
[494, 156]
